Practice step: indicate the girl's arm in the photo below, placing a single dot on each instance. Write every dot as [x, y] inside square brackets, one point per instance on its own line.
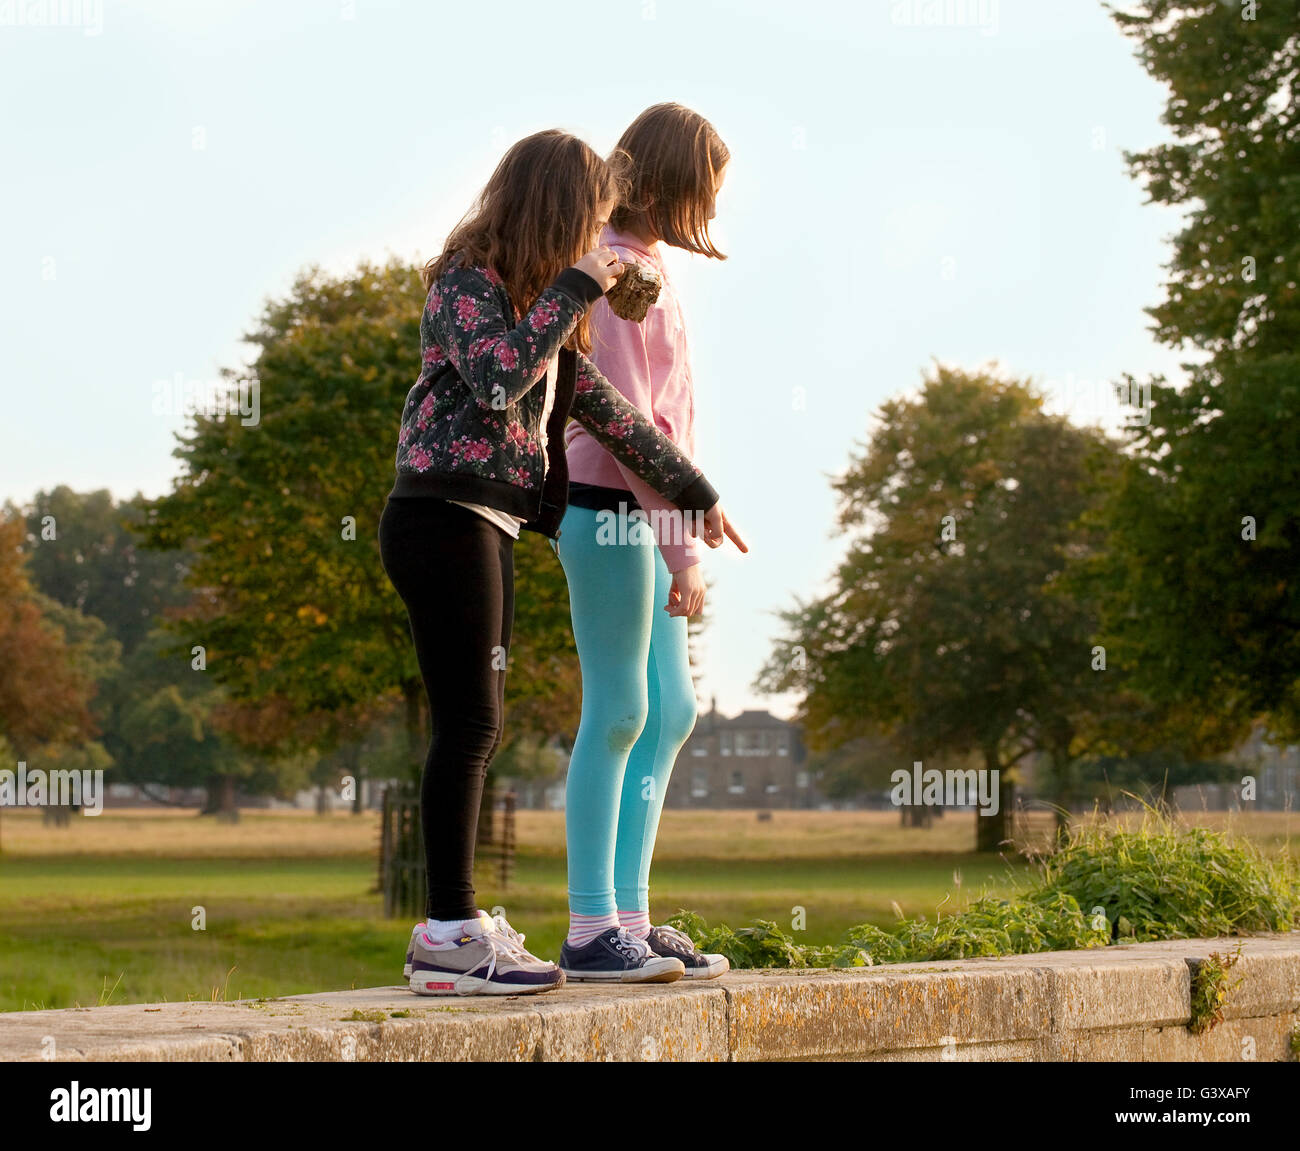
[499, 363]
[634, 442]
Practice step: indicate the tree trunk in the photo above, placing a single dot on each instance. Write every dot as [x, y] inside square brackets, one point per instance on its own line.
[1063, 769]
[415, 739]
[992, 830]
[221, 799]
[483, 832]
[322, 800]
[229, 812]
[352, 762]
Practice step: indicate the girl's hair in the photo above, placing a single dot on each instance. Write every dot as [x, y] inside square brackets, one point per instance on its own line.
[676, 156]
[536, 215]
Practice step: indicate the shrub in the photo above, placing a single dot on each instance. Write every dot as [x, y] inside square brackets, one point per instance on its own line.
[1160, 882]
[1105, 885]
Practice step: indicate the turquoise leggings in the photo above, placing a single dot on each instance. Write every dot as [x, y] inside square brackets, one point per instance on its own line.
[638, 707]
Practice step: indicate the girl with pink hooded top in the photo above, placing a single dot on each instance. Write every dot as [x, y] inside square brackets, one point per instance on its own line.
[634, 577]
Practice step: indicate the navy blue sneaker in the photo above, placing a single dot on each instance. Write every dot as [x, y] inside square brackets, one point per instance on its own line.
[617, 956]
[676, 944]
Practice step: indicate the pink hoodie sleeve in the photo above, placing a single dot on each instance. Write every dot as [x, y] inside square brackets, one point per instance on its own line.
[619, 351]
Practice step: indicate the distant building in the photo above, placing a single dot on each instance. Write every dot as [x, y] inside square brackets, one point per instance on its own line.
[751, 760]
[1274, 767]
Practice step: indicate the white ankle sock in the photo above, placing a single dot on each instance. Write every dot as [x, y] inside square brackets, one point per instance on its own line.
[445, 930]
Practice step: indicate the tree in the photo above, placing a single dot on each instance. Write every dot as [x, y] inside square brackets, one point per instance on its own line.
[166, 732]
[943, 631]
[153, 710]
[1200, 600]
[48, 658]
[81, 551]
[292, 607]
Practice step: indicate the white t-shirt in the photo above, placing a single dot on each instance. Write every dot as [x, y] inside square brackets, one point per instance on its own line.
[504, 520]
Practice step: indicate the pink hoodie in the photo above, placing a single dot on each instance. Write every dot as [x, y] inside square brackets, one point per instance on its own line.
[650, 364]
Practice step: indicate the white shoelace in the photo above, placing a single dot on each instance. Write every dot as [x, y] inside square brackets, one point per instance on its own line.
[499, 938]
[631, 946]
[512, 941]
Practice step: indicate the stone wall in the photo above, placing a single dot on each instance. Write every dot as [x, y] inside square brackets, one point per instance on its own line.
[1127, 1003]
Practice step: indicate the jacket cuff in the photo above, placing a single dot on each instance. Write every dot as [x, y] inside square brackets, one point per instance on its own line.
[578, 286]
[697, 496]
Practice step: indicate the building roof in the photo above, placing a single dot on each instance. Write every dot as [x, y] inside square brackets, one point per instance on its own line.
[750, 719]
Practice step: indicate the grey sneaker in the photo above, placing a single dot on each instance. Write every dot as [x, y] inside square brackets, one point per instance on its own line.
[410, 950]
[488, 959]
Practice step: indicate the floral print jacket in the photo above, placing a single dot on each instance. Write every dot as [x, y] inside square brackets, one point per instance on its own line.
[472, 422]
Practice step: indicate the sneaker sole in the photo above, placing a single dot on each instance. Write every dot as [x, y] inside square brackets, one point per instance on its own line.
[711, 972]
[654, 971]
[423, 984]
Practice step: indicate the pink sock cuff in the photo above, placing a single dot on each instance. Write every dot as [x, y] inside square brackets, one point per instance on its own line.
[584, 928]
[637, 922]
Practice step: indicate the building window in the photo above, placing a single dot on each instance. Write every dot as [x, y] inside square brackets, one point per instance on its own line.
[724, 743]
[773, 788]
[783, 743]
[737, 784]
[699, 783]
[699, 750]
[801, 779]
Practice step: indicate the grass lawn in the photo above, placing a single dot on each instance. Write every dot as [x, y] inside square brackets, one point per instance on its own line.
[101, 911]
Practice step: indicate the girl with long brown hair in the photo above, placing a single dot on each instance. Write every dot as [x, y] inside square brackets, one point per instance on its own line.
[480, 456]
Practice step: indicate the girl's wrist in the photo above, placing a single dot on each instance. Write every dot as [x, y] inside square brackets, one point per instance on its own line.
[579, 286]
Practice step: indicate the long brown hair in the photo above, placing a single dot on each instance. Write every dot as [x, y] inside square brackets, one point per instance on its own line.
[676, 156]
[536, 215]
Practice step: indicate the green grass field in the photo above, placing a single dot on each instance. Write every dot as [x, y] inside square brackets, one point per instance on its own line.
[101, 911]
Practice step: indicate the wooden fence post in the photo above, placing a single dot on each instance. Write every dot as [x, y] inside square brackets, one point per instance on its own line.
[401, 845]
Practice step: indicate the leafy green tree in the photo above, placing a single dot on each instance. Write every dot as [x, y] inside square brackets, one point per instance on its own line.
[943, 631]
[166, 732]
[81, 551]
[153, 711]
[1201, 605]
[292, 606]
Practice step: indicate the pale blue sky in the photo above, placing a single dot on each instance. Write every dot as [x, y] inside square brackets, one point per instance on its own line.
[899, 192]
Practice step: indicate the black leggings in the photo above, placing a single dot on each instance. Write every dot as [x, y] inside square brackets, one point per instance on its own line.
[455, 573]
